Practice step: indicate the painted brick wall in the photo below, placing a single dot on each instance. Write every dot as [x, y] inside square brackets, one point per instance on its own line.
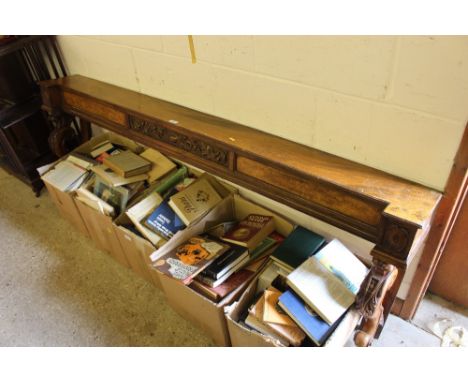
[398, 104]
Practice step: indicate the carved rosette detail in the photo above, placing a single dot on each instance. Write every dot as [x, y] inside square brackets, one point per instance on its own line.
[396, 238]
[193, 145]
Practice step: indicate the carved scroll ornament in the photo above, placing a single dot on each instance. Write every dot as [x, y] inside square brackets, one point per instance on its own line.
[193, 145]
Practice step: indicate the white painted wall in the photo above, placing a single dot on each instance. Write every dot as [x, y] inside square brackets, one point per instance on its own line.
[398, 104]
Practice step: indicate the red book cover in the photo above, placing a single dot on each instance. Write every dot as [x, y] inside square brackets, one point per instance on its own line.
[250, 231]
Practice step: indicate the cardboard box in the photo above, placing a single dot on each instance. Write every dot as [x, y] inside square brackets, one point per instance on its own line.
[204, 313]
[137, 251]
[99, 226]
[243, 336]
[65, 204]
[64, 201]
[101, 231]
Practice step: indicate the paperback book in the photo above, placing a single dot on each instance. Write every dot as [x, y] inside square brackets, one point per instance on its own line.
[250, 231]
[190, 258]
[194, 201]
[329, 281]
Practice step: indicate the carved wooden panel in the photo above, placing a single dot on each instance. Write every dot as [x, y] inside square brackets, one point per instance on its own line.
[333, 198]
[187, 143]
[85, 105]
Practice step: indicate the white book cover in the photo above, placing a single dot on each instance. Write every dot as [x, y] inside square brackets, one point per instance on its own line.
[329, 280]
[64, 175]
[140, 210]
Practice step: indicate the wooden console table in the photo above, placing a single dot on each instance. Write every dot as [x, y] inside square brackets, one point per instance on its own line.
[391, 212]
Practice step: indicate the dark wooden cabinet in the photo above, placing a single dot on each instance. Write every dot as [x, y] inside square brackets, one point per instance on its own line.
[24, 128]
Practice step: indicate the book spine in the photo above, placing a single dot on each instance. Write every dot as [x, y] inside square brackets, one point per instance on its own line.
[171, 180]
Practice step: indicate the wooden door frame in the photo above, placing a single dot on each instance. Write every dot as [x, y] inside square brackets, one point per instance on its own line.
[442, 224]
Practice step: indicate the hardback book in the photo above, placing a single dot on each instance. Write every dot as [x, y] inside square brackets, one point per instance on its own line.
[194, 201]
[309, 321]
[127, 164]
[272, 313]
[250, 231]
[254, 320]
[265, 246]
[329, 281]
[81, 160]
[164, 221]
[162, 165]
[297, 247]
[66, 176]
[139, 211]
[190, 258]
[93, 201]
[286, 334]
[107, 154]
[229, 259]
[117, 197]
[171, 180]
[233, 282]
[102, 148]
[185, 183]
[114, 179]
[214, 282]
[220, 229]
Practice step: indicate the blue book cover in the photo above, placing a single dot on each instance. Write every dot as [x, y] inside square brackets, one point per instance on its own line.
[310, 322]
[164, 221]
[298, 247]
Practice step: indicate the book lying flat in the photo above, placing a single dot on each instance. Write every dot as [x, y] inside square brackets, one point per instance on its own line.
[310, 322]
[214, 282]
[82, 160]
[297, 247]
[65, 176]
[225, 262]
[329, 281]
[216, 294]
[101, 148]
[114, 179]
[161, 164]
[194, 201]
[271, 313]
[190, 258]
[286, 334]
[250, 231]
[127, 164]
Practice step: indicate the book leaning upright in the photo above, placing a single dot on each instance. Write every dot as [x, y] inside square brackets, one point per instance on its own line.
[329, 281]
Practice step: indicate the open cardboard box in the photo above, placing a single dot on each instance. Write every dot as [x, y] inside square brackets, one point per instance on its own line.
[191, 305]
[242, 335]
[138, 249]
[64, 201]
[100, 226]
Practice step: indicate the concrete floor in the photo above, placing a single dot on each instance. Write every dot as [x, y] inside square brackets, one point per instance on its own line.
[57, 289]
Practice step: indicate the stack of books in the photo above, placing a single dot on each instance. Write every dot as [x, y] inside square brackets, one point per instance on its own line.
[316, 283]
[119, 175]
[224, 258]
[67, 176]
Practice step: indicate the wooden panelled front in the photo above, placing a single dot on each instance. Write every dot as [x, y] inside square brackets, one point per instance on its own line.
[85, 105]
[364, 201]
[313, 191]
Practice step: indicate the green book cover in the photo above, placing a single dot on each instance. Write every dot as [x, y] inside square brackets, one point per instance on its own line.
[171, 180]
[297, 247]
